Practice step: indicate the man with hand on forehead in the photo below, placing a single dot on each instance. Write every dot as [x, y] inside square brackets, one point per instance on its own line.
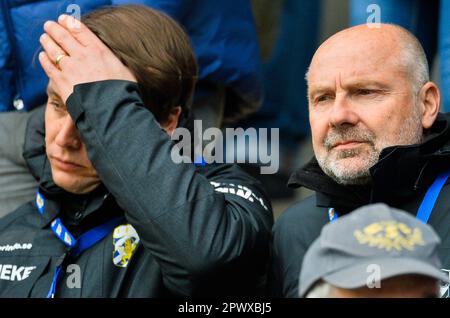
[114, 216]
[377, 136]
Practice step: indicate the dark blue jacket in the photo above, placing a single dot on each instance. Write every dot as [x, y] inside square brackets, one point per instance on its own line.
[222, 33]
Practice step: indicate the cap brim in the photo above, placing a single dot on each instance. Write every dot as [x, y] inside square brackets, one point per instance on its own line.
[358, 275]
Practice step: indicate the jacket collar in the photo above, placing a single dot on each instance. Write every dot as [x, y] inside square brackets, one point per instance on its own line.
[400, 173]
[53, 205]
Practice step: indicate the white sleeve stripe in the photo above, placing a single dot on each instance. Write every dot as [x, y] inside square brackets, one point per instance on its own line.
[238, 190]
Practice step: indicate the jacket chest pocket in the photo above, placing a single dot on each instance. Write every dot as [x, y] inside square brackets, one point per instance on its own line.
[19, 274]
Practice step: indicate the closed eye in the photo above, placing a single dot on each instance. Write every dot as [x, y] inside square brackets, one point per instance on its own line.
[55, 104]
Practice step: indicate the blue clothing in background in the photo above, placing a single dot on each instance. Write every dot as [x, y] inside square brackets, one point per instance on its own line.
[22, 80]
[285, 103]
[222, 32]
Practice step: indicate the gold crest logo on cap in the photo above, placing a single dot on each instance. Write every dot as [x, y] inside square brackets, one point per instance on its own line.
[390, 235]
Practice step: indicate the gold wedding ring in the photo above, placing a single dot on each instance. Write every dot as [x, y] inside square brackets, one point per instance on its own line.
[58, 60]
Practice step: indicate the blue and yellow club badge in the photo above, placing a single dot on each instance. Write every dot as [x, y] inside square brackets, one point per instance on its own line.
[390, 235]
[40, 203]
[125, 240]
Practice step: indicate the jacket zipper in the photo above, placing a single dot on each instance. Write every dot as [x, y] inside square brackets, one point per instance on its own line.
[416, 184]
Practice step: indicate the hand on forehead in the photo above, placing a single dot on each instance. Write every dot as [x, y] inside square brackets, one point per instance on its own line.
[73, 55]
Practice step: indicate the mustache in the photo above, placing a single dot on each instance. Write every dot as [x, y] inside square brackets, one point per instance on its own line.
[345, 134]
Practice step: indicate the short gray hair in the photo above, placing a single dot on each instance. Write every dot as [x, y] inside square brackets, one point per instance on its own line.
[414, 59]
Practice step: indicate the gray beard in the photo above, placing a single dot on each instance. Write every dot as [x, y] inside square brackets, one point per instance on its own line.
[410, 133]
[356, 177]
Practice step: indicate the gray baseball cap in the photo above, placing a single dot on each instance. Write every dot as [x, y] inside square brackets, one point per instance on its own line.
[347, 250]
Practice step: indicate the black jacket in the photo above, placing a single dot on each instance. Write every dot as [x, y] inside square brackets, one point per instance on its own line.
[400, 178]
[203, 231]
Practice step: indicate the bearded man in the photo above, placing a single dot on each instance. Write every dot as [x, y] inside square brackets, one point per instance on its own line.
[377, 136]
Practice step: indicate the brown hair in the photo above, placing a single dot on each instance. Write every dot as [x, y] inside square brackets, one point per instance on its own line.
[156, 50]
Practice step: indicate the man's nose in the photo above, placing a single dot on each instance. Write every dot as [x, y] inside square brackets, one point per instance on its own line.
[343, 112]
[68, 135]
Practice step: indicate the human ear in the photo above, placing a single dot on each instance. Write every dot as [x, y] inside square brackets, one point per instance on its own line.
[429, 99]
[172, 120]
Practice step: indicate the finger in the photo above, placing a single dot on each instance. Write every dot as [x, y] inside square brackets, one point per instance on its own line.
[56, 76]
[52, 50]
[78, 30]
[62, 37]
[49, 68]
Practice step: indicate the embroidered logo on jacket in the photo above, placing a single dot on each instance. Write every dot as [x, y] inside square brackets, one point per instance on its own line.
[125, 240]
[14, 272]
[40, 203]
